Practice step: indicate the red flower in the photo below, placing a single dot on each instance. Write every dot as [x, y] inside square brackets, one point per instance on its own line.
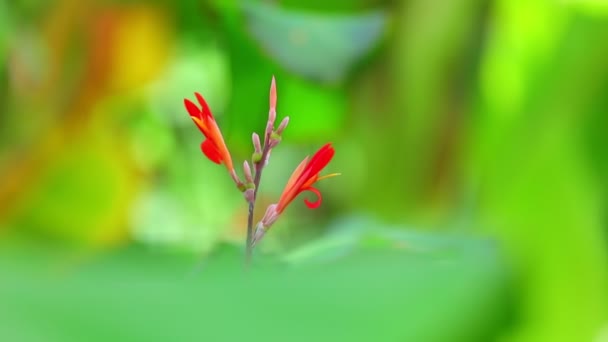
[302, 179]
[213, 147]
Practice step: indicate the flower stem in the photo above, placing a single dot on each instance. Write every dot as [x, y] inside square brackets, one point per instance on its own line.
[249, 245]
[258, 168]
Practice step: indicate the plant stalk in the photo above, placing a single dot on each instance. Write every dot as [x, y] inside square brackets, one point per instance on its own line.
[258, 168]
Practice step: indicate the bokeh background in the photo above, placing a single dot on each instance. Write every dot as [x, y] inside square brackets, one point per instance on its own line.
[472, 138]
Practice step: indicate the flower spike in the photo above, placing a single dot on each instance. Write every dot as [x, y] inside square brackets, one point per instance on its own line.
[303, 178]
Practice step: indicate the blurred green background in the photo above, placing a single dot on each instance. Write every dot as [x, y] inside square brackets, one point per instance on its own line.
[472, 138]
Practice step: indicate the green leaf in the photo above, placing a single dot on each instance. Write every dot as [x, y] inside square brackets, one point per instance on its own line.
[316, 46]
[134, 294]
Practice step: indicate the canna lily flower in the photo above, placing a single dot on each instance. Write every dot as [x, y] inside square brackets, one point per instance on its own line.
[213, 146]
[302, 179]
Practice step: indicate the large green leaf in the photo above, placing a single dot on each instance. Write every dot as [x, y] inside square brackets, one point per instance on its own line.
[321, 47]
[375, 294]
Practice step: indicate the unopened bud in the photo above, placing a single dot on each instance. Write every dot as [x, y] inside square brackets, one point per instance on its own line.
[247, 170]
[270, 216]
[273, 94]
[257, 146]
[272, 113]
[283, 125]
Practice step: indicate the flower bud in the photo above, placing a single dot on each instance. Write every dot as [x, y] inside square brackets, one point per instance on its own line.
[257, 146]
[270, 216]
[273, 94]
[272, 112]
[247, 169]
[283, 125]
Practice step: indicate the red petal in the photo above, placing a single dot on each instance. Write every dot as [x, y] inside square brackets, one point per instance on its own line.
[204, 105]
[320, 159]
[315, 204]
[193, 110]
[211, 151]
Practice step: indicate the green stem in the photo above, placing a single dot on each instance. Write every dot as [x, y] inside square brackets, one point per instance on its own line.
[259, 167]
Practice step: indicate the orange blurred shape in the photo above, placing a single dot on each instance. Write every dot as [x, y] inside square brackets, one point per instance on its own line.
[136, 40]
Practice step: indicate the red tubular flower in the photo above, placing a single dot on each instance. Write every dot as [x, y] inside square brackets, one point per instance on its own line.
[302, 179]
[304, 176]
[213, 147]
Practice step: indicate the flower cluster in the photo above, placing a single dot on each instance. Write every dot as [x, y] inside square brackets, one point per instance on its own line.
[302, 179]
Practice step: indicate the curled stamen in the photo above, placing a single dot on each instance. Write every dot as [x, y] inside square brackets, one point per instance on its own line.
[317, 202]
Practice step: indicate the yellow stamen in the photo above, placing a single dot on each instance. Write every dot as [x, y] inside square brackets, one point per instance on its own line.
[199, 123]
[329, 176]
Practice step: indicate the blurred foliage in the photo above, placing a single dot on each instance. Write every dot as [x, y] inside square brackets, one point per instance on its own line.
[134, 294]
[295, 40]
[471, 137]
